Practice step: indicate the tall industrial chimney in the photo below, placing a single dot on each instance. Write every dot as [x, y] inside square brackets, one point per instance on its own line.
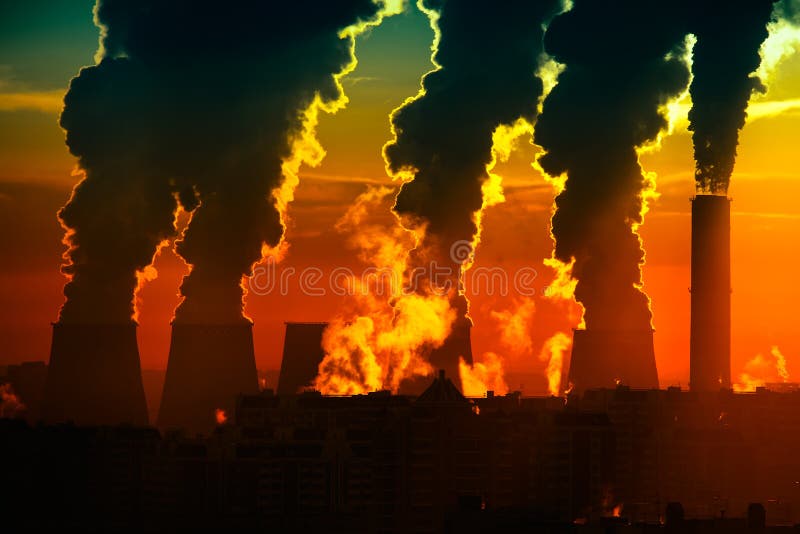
[302, 354]
[209, 366]
[606, 358]
[710, 336]
[457, 345]
[94, 376]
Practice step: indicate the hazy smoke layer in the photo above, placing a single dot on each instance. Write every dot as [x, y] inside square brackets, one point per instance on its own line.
[487, 54]
[201, 100]
[729, 35]
[623, 60]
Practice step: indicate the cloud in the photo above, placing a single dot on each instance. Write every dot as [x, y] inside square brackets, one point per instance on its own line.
[18, 96]
[44, 101]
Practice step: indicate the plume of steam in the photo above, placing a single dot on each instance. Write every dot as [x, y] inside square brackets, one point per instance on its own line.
[780, 363]
[482, 376]
[552, 354]
[482, 94]
[198, 104]
[486, 58]
[788, 10]
[514, 329]
[220, 416]
[379, 338]
[783, 40]
[380, 346]
[617, 78]
[514, 325]
[123, 208]
[725, 59]
[760, 370]
[10, 405]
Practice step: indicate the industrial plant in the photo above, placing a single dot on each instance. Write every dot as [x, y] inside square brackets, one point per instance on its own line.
[614, 452]
[480, 217]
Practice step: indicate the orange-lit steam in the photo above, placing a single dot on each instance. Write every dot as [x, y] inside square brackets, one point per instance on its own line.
[148, 274]
[482, 376]
[762, 370]
[514, 329]
[220, 416]
[555, 349]
[514, 326]
[383, 340]
[553, 352]
[306, 148]
[447, 183]
[381, 337]
[562, 289]
[10, 405]
[379, 350]
[504, 141]
[780, 363]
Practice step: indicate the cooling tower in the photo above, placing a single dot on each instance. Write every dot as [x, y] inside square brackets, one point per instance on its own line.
[94, 376]
[710, 336]
[603, 359]
[457, 345]
[209, 367]
[302, 354]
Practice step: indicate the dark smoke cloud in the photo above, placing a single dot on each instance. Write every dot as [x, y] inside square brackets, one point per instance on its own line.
[788, 10]
[196, 101]
[489, 53]
[123, 209]
[622, 62]
[725, 57]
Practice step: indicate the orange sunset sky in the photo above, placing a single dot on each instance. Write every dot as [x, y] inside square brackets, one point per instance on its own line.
[39, 52]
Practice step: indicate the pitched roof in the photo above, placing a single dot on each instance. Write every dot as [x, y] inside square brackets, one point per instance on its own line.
[442, 391]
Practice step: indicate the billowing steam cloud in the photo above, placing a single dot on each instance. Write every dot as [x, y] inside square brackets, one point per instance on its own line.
[725, 58]
[123, 208]
[446, 141]
[487, 57]
[198, 104]
[622, 62]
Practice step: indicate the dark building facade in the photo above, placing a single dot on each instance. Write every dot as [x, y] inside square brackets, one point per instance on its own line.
[609, 460]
